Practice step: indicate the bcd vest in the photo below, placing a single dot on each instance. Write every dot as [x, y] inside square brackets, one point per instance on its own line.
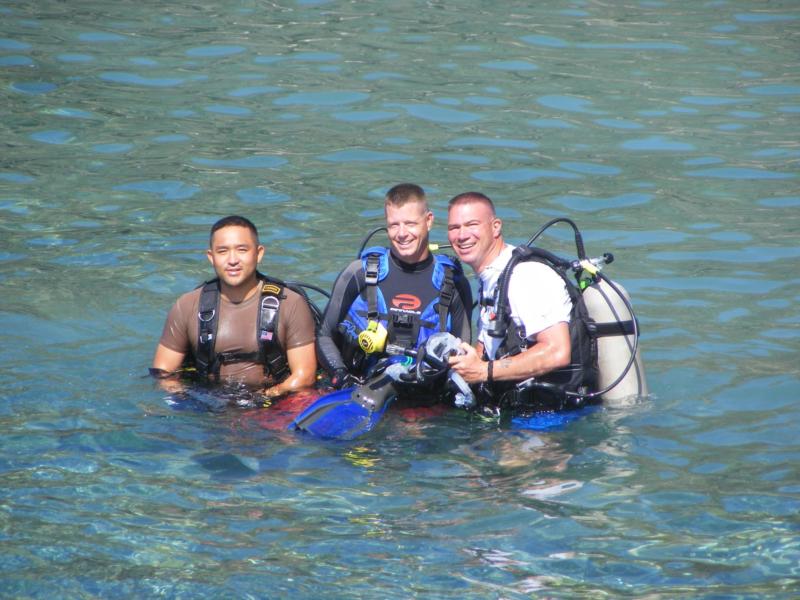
[562, 388]
[270, 353]
[408, 331]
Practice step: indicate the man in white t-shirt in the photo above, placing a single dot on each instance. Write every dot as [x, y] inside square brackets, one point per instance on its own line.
[538, 298]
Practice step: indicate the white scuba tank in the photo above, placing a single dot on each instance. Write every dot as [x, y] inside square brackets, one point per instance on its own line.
[614, 351]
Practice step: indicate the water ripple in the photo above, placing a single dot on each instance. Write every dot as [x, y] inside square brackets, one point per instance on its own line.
[437, 114]
[667, 46]
[588, 204]
[544, 40]
[73, 57]
[101, 37]
[16, 60]
[258, 90]
[248, 162]
[464, 158]
[590, 168]
[330, 98]
[764, 17]
[168, 190]
[382, 75]
[493, 142]
[111, 148]
[17, 177]
[711, 100]
[619, 123]
[522, 175]
[657, 143]
[215, 51]
[365, 116]
[739, 173]
[774, 90]
[749, 254]
[358, 155]
[227, 109]
[13, 45]
[261, 196]
[569, 103]
[34, 88]
[551, 124]
[783, 202]
[510, 65]
[134, 79]
[56, 137]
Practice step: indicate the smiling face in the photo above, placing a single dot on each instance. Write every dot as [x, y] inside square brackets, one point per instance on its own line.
[235, 254]
[408, 228]
[475, 233]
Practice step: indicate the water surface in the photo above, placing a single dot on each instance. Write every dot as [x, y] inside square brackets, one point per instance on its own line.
[667, 130]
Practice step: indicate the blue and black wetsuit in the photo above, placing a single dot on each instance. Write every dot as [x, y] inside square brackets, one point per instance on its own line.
[406, 301]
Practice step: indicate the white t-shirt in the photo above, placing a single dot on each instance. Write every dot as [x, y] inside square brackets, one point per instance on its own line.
[537, 295]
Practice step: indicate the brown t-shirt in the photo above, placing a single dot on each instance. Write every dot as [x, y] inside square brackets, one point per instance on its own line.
[236, 331]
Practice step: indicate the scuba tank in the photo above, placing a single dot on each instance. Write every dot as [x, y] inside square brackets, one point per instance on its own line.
[615, 327]
[618, 353]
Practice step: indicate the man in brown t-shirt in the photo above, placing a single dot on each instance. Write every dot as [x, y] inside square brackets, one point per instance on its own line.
[234, 252]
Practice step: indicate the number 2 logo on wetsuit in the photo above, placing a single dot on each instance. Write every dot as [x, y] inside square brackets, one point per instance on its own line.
[406, 302]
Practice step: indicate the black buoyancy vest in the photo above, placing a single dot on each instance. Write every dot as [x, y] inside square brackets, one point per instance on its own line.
[568, 384]
[270, 353]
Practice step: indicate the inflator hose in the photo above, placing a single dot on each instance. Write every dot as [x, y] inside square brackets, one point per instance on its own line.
[578, 237]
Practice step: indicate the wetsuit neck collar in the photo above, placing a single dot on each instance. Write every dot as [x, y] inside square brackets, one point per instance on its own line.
[412, 267]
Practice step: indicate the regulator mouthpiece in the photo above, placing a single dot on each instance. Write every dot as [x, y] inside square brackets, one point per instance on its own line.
[373, 338]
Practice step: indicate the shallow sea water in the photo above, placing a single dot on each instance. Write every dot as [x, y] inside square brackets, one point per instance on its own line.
[667, 129]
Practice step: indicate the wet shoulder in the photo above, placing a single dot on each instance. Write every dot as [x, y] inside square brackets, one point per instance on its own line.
[189, 301]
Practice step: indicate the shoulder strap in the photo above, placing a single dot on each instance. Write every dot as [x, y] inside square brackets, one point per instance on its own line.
[446, 293]
[513, 340]
[371, 271]
[275, 362]
[207, 320]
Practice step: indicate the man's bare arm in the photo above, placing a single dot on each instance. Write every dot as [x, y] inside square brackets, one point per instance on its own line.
[303, 366]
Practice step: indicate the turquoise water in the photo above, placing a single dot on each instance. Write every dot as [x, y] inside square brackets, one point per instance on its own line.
[667, 129]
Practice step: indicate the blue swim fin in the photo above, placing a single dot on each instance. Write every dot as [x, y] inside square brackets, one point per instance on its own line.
[349, 413]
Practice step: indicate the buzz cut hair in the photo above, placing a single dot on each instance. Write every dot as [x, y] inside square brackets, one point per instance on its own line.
[233, 221]
[469, 197]
[403, 193]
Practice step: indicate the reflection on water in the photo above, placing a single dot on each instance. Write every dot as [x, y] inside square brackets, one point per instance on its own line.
[668, 131]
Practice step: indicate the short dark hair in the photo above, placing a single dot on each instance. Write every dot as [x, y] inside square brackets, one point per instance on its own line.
[233, 221]
[468, 197]
[403, 193]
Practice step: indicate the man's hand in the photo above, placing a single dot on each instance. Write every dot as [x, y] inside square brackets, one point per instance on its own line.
[341, 378]
[469, 365]
[303, 371]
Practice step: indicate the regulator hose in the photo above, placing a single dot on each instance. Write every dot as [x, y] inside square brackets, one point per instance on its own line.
[368, 238]
[578, 237]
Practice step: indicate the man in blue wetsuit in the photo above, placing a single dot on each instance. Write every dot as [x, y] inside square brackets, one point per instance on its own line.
[399, 295]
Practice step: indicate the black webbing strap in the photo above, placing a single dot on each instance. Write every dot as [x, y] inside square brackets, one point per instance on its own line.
[275, 362]
[612, 328]
[371, 279]
[446, 294]
[207, 316]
